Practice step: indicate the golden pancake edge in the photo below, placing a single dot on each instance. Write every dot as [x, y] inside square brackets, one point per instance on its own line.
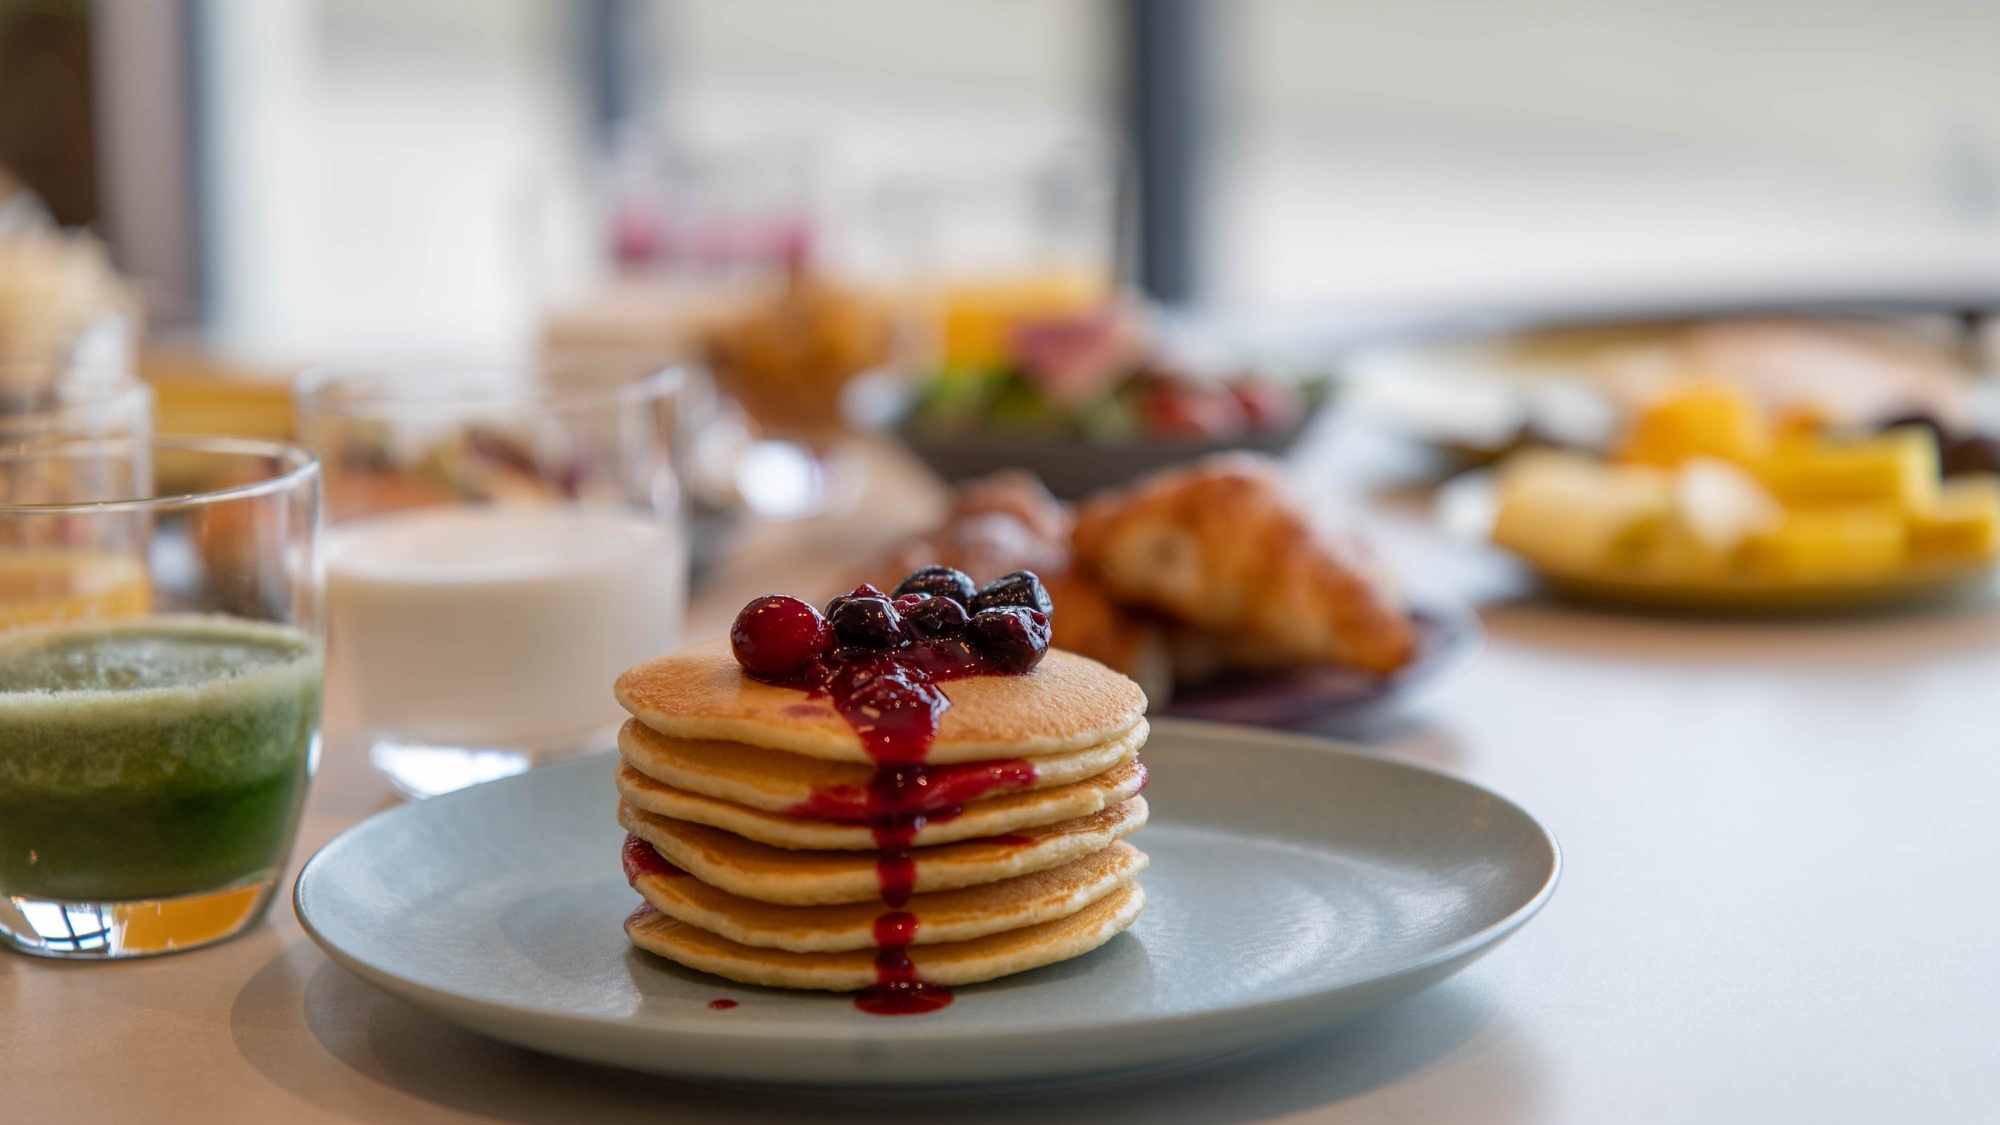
[1068, 702]
[993, 816]
[781, 781]
[800, 878]
[950, 963]
[942, 916]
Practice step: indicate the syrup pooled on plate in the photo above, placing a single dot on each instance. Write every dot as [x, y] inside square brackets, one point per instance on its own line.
[898, 990]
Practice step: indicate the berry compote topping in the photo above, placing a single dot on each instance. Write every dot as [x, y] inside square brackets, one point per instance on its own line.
[940, 582]
[894, 706]
[777, 636]
[934, 619]
[879, 659]
[1012, 637]
[1021, 588]
[868, 624]
[880, 668]
[862, 591]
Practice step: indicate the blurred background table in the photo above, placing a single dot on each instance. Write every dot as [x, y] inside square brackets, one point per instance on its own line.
[1779, 841]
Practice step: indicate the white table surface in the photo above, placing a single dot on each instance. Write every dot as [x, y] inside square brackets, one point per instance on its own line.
[1780, 902]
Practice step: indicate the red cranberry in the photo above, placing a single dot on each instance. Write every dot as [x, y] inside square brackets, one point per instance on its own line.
[940, 582]
[1013, 637]
[935, 618]
[869, 623]
[777, 636]
[1021, 588]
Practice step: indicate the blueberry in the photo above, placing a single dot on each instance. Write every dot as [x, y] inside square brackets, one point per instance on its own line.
[862, 591]
[1014, 638]
[867, 623]
[1021, 588]
[958, 653]
[940, 582]
[934, 618]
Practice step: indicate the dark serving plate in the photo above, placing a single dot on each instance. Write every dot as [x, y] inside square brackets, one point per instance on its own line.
[1073, 469]
[1330, 699]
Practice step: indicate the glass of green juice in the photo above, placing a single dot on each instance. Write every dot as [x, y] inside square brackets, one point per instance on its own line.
[160, 657]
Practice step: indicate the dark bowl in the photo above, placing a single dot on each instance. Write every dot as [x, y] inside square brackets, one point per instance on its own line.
[1073, 468]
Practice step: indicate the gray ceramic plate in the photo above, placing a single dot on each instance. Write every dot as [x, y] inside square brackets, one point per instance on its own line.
[1294, 884]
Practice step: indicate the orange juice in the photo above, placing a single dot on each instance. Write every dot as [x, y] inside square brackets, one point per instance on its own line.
[45, 587]
[978, 316]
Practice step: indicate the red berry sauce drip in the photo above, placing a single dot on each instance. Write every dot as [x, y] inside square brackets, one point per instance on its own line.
[897, 928]
[641, 859]
[939, 792]
[897, 990]
[895, 873]
[721, 1005]
[893, 702]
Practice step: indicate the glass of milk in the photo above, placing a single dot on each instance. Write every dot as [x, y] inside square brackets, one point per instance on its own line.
[504, 539]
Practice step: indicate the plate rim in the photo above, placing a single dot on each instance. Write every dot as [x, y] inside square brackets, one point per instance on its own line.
[1277, 1010]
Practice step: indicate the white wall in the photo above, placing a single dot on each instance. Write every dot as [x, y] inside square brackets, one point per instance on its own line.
[390, 175]
[1513, 150]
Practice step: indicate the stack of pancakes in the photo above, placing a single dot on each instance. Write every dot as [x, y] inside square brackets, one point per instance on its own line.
[772, 849]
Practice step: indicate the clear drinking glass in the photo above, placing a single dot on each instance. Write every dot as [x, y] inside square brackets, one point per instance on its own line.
[88, 403]
[505, 539]
[160, 660]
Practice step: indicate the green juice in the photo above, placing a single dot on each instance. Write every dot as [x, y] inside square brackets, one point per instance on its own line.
[152, 757]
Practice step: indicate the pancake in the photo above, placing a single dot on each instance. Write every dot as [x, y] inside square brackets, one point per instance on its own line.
[1067, 703]
[945, 916]
[951, 963]
[815, 878]
[778, 781]
[995, 816]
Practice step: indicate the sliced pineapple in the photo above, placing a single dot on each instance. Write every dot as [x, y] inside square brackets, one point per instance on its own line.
[1898, 469]
[1832, 543]
[1572, 513]
[1964, 524]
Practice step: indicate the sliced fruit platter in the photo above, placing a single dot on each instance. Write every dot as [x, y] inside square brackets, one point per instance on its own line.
[1707, 503]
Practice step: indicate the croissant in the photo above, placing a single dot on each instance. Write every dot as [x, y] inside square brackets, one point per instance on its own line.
[1227, 545]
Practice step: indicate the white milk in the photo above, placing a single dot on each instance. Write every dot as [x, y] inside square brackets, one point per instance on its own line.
[499, 626]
